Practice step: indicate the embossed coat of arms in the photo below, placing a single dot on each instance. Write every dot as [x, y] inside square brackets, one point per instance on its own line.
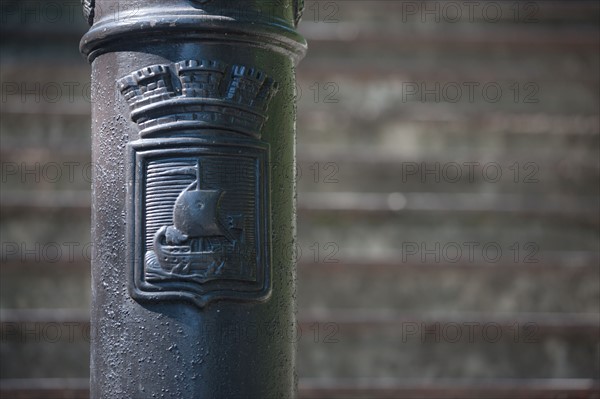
[199, 210]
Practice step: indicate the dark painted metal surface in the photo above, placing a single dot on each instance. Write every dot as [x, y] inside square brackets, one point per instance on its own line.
[193, 197]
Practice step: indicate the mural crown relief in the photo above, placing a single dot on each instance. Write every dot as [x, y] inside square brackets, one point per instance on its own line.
[195, 94]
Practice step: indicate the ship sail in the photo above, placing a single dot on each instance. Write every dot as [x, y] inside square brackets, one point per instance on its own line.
[195, 213]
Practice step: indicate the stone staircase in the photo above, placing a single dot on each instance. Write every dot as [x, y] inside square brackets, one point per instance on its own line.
[446, 249]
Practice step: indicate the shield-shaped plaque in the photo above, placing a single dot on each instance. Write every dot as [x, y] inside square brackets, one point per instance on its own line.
[198, 220]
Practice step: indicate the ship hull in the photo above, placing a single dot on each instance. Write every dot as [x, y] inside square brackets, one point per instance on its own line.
[181, 259]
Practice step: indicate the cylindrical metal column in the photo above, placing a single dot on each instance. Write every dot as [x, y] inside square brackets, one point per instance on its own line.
[193, 212]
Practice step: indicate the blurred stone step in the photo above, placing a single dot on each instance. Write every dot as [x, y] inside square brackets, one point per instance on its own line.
[483, 236]
[39, 343]
[66, 133]
[45, 388]
[63, 284]
[352, 344]
[568, 285]
[416, 65]
[450, 288]
[320, 169]
[348, 171]
[425, 135]
[369, 101]
[434, 236]
[377, 204]
[362, 231]
[410, 15]
[380, 388]
[364, 345]
[416, 132]
[38, 17]
[423, 388]
[330, 19]
[44, 174]
[343, 36]
[516, 181]
[491, 202]
[33, 233]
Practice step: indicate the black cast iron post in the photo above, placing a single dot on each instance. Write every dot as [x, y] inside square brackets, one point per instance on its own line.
[193, 208]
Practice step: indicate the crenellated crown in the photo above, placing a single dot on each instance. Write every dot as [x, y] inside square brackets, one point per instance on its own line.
[192, 95]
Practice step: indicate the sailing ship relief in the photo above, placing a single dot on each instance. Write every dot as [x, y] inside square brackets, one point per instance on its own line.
[198, 243]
